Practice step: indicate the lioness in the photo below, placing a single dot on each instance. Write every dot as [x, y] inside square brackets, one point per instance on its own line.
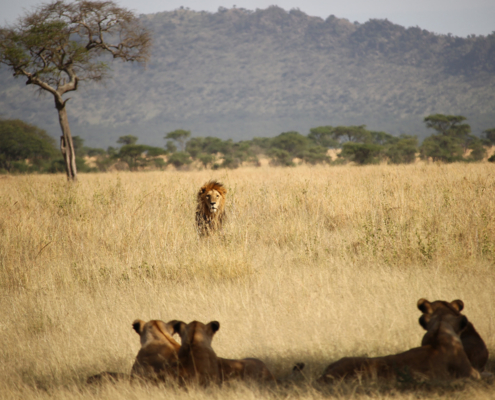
[155, 361]
[443, 358]
[198, 362]
[158, 356]
[210, 210]
[474, 346]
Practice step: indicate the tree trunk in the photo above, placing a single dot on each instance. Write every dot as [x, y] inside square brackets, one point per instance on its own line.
[66, 143]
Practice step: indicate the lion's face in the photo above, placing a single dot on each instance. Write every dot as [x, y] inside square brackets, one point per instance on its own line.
[210, 211]
[213, 200]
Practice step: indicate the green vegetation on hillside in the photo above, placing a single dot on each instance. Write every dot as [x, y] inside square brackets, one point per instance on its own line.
[239, 74]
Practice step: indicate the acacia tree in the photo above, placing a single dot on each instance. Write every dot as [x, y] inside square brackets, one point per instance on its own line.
[453, 139]
[180, 136]
[352, 133]
[60, 44]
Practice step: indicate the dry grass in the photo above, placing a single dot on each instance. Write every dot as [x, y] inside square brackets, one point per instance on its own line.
[314, 264]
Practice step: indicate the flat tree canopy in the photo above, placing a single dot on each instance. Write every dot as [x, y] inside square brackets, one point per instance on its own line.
[61, 44]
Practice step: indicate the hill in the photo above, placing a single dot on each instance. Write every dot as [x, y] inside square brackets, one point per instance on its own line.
[239, 73]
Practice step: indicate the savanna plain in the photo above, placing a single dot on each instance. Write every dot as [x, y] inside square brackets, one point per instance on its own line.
[314, 263]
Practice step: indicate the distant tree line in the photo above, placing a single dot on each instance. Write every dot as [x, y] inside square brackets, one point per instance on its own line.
[25, 148]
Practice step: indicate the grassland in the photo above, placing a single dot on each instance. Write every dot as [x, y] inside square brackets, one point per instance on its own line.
[314, 264]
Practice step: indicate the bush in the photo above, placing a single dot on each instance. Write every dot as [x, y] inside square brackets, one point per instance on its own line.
[206, 159]
[93, 152]
[316, 155]
[132, 154]
[20, 141]
[323, 136]
[159, 163]
[442, 148]
[291, 142]
[154, 151]
[478, 151]
[179, 159]
[280, 158]
[58, 166]
[362, 153]
[403, 151]
[231, 162]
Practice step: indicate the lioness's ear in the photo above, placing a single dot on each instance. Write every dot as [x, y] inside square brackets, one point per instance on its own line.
[138, 325]
[423, 321]
[178, 326]
[170, 326]
[457, 304]
[214, 326]
[424, 306]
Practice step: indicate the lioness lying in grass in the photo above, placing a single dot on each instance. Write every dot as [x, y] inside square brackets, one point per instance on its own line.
[473, 344]
[442, 358]
[157, 360]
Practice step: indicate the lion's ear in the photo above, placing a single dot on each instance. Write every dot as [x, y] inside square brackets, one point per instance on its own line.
[202, 190]
[178, 327]
[424, 306]
[457, 304]
[423, 321]
[170, 325]
[138, 325]
[214, 326]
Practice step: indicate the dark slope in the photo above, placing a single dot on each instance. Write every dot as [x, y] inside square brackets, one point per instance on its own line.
[239, 74]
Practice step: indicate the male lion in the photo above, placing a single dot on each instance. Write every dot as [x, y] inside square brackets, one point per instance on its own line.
[157, 358]
[443, 358]
[210, 211]
[473, 344]
[198, 362]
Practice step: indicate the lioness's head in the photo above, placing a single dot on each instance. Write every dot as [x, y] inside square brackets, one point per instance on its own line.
[434, 312]
[154, 330]
[196, 332]
[212, 196]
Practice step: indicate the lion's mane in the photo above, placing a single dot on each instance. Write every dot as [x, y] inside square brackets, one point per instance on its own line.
[208, 221]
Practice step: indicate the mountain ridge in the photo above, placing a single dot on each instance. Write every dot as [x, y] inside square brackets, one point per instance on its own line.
[238, 73]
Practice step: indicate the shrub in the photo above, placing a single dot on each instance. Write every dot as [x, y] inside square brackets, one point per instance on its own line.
[442, 148]
[403, 151]
[280, 158]
[316, 155]
[179, 159]
[361, 153]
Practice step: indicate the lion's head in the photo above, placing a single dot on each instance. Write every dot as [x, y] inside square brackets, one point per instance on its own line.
[210, 211]
[473, 344]
[158, 354]
[197, 359]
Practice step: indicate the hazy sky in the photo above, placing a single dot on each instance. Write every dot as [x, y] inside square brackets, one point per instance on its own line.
[459, 17]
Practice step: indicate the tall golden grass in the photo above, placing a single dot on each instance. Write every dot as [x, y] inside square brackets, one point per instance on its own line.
[315, 263]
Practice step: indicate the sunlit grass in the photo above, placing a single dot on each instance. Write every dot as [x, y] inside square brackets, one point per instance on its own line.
[313, 264]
